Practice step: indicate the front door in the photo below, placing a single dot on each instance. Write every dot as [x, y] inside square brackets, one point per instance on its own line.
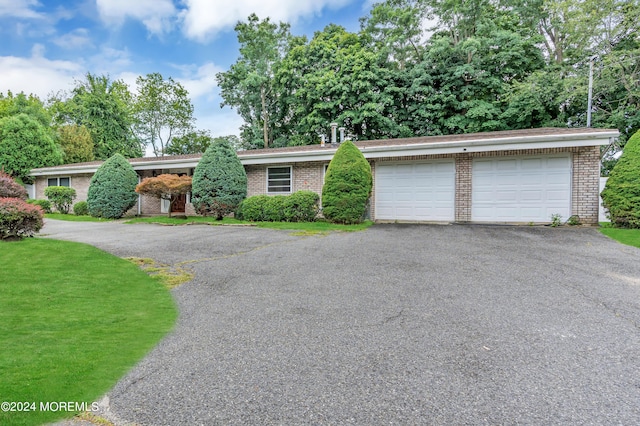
[178, 206]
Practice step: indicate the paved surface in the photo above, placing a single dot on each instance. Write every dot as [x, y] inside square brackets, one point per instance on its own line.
[401, 324]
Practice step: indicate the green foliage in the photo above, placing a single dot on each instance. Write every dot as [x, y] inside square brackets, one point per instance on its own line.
[105, 108]
[26, 144]
[19, 219]
[621, 195]
[76, 143]
[301, 206]
[249, 84]
[252, 208]
[11, 105]
[112, 190]
[81, 208]
[274, 208]
[191, 143]
[162, 110]
[9, 188]
[347, 186]
[61, 196]
[556, 220]
[45, 205]
[219, 181]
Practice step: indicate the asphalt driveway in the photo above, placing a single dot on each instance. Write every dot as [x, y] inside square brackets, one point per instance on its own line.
[399, 324]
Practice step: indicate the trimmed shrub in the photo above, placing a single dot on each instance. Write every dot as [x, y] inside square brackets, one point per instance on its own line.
[9, 188]
[81, 208]
[274, 208]
[19, 219]
[45, 205]
[61, 197]
[252, 208]
[621, 195]
[112, 190]
[347, 185]
[301, 206]
[219, 181]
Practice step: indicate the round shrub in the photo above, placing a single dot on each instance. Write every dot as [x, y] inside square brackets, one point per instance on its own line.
[219, 181]
[274, 208]
[45, 205]
[9, 188]
[81, 208]
[347, 185]
[19, 219]
[301, 206]
[112, 190]
[61, 197]
[621, 194]
[252, 208]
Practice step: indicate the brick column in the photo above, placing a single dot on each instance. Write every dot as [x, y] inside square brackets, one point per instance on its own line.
[585, 197]
[463, 188]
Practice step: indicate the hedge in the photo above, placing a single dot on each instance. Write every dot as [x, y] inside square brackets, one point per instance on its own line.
[19, 219]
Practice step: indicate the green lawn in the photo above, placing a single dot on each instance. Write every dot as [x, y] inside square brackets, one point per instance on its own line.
[629, 237]
[73, 320]
[73, 218]
[312, 227]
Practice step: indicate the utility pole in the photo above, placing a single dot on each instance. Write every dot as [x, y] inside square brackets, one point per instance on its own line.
[590, 99]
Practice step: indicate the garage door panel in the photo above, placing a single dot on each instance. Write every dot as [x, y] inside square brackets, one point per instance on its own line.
[415, 191]
[521, 189]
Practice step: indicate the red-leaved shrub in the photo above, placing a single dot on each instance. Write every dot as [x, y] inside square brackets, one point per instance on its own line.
[19, 219]
[9, 188]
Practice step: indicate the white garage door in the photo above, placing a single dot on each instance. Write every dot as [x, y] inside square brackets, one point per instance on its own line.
[415, 191]
[525, 189]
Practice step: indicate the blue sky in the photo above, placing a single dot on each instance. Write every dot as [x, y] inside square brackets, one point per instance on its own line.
[47, 44]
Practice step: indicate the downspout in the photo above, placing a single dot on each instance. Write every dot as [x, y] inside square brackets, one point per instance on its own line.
[139, 200]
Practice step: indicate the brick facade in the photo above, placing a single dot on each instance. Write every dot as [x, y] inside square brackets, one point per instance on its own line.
[585, 177]
[310, 176]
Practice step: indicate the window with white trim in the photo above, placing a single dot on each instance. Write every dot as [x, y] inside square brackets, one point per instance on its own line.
[279, 179]
[59, 181]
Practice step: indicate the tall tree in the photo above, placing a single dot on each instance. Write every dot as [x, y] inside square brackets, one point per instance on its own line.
[26, 144]
[248, 85]
[105, 108]
[76, 143]
[162, 111]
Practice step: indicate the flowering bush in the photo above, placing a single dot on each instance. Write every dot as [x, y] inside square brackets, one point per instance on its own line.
[10, 188]
[19, 219]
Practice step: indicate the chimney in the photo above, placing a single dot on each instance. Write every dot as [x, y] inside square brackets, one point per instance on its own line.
[334, 126]
[342, 129]
[322, 139]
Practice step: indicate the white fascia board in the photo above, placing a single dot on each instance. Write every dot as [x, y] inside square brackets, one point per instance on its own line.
[287, 157]
[172, 164]
[73, 170]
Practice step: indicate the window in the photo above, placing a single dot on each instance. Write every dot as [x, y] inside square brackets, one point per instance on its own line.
[278, 179]
[62, 181]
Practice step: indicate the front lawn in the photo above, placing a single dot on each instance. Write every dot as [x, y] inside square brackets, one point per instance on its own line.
[73, 218]
[73, 320]
[630, 237]
[313, 227]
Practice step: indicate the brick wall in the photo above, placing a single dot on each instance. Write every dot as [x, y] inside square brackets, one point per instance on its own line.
[305, 176]
[463, 187]
[586, 184]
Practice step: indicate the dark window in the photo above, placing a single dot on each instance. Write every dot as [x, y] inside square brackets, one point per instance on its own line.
[279, 179]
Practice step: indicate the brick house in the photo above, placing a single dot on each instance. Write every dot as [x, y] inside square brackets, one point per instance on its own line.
[518, 176]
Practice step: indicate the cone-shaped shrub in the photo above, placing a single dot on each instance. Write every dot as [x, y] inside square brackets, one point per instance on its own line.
[621, 195]
[9, 188]
[112, 190]
[219, 181]
[347, 185]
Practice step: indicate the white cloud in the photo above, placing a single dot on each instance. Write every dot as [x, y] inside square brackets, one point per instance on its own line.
[37, 74]
[19, 9]
[76, 39]
[203, 18]
[200, 81]
[156, 15]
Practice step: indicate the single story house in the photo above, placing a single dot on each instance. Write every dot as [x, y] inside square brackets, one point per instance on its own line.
[519, 176]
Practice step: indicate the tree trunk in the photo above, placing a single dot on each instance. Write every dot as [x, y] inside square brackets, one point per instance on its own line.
[265, 117]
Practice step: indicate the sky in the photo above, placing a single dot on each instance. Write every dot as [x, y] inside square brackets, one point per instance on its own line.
[46, 45]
